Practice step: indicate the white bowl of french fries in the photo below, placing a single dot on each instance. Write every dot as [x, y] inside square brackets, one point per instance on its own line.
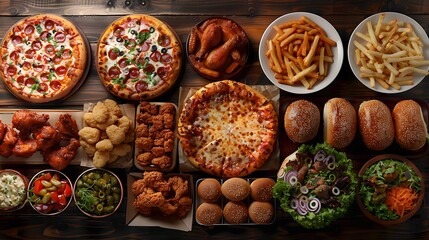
[301, 52]
[388, 52]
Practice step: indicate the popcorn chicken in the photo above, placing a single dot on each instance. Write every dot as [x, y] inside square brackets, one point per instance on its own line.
[116, 134]
[100, 158]
[104, 145]
[122, 149]
[100, 112]
[88, 148]
[113, 107]
[89, 134]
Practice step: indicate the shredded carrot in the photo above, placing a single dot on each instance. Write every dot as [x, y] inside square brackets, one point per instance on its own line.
[401, 199]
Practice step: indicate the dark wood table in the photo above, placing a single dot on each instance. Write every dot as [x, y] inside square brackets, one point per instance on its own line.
[254, 16]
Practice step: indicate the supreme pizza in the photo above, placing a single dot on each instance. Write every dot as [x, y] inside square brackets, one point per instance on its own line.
[139, 57]
[227, 129]
[43, 57]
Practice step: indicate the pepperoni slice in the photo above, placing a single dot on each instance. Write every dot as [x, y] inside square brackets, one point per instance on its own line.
[155, 56]
[26, 65]
[166, 58]
[44, 77]
[29, 82]
[162, 73]
[114, 72]
[43, 87]
[38, 68]
[164, 40]
[36, 45]
[20, 80]
[66, 54]
[145, 46]
[44, 35]
[14, 55]
[123, 62]
[56, 59]
[131, 43]
[113, 53]
[29, 29]
[149, 69]
[30, 53]
[50, 49]
[60, 37]
[61, 70]
[119, 31]
[55, 85]
[134, 72]
[141, 86]
[49, 25]
[16, 40]
[11, 70]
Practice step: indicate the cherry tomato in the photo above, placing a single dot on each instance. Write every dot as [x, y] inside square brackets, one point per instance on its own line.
[54, 197]
[62, 200]
[47, 176]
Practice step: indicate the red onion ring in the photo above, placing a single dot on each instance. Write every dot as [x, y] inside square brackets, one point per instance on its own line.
[291, 177]
[329, 159]
[320, 155]
[314, 208]
[294, 203]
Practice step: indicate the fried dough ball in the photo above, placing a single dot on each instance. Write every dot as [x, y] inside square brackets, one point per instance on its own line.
[100, 158]
[88, 148]
[104, 145]
[113, 107]
[122, 149]
[116, 134]
[90, 135]
[100, 112]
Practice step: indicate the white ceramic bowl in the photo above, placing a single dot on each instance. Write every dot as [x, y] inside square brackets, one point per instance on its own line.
[330, 31]
[420, 32]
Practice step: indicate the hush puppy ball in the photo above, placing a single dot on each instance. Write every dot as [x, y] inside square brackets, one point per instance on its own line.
[89, 134]
[100, 112]
[113, 107]
[116, 134]
[104, 145]
[100, 158]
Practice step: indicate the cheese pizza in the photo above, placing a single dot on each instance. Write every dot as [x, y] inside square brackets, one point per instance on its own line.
[227, 129]
[43, 57]
[139, 57]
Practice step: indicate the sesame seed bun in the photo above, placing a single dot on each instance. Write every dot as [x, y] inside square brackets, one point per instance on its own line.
[261, 189]
[261, 212]
[235, 212]
[301, 121]
[209, 190]
[208, 213]
[235, 189]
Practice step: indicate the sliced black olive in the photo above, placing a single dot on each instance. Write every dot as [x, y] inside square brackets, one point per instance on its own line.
[153, 48]
[133, 32]
[119, 39]
[151, 29]
[121, 53]
[164, 50]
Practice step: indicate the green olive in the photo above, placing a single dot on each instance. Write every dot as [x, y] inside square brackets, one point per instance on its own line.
[43, 192]
[79, 183]
[108, 209]
[116, 198]
[110, 200]
[46, 198]
[113, 181]
[85, 178]
[56, 182]
[101, 182]
[101, 195]
[51, 188]
[89, 181]
[46, 183]
[106, 176]
[116, 190]
[96, 175]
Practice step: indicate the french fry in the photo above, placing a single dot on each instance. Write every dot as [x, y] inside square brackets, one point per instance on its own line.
[300, 53]
[389, 54]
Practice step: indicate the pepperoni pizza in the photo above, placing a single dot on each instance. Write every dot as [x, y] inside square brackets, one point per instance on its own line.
[227, 129]
[139, 57]
[43, 57]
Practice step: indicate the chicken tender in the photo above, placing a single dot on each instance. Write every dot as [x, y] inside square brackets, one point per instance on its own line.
[90, 135]
[116, 134]
[113, 107]
[122, 149]
[104, 145]
[100, 112]
[100, 158]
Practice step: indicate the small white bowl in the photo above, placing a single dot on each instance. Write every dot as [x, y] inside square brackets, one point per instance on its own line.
[337, 51]
[420, 32]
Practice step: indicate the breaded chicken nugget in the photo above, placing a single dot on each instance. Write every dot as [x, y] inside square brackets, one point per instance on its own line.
[100, 112]
[113, 107]
[116, 134]
[89, 134]
[104, 145]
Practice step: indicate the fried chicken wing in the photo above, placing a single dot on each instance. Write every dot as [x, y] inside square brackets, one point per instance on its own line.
[27, 121]
[179, 186]
[25, 148]
[60, 158]
[155, 180]
[8, 143]
[163, 162]
[184, 206]
[46, 137]
[2, 130]
[67, 127]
